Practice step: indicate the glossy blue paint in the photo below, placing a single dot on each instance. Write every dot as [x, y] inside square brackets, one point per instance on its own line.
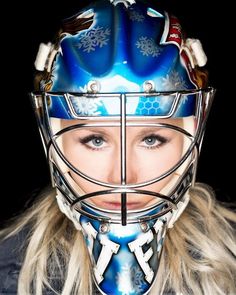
[73, 106]
[123, 274]
[123, 48]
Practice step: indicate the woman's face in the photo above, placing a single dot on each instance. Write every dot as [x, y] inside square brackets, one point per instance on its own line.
[96, 151]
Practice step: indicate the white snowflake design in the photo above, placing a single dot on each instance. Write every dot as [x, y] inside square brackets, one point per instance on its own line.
[97, 37]
[130, 280]
[136, 16]
[165, 103]
[173, 81]
[118, 230]
[86, 106]
[148, 47]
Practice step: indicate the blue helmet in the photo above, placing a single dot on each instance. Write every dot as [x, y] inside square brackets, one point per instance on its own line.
[114, 49]
[122, 59]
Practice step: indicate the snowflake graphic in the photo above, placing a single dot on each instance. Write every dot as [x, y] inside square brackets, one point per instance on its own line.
[118, 230]
[136, 16]
[166, 103]
[86, 106]
[174, 81]
[184, 98]
[130, 280]
[97, 37]
[148, 47]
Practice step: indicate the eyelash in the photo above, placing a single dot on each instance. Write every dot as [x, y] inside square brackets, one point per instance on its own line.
[85, 140]
[162, 140]
[89, 138]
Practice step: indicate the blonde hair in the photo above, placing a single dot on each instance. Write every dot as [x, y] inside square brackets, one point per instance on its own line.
[198, 254]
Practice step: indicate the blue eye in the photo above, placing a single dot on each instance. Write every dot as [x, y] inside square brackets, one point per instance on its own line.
[150, 140]
[97, 141]
[154, 141]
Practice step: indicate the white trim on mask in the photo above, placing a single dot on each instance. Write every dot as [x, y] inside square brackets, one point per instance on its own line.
[65, 208]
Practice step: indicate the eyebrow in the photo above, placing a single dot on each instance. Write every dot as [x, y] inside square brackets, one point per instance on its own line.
[103, 131]
[99, 130]
[148, 130]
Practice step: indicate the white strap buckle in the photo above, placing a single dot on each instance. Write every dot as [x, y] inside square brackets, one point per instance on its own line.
[195, 52]
[177, 212]
[66, 209]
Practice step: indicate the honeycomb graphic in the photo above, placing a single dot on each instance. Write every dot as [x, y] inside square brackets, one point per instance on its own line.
[148, 106]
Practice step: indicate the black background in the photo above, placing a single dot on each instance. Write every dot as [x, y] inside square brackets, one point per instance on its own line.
[23, 166]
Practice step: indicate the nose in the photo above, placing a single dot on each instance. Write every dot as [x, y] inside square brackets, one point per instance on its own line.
[129, 167]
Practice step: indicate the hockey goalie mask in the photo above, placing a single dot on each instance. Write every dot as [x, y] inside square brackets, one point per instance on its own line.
[122, 105]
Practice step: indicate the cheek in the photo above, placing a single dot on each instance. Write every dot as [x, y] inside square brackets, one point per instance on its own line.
[84, 185]
[158, 186]
[95, 164]
[153, 163]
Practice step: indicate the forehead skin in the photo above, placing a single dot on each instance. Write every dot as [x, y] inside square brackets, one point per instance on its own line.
[176, 121]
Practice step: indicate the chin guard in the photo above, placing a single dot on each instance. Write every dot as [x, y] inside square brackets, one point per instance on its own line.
[125, 260]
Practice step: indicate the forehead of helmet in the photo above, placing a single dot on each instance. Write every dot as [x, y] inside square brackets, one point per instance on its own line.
[109, 41]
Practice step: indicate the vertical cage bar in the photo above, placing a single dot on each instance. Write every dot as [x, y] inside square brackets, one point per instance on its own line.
[123, 158]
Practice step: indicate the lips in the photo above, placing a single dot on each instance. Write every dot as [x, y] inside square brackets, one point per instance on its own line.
[113, 202]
